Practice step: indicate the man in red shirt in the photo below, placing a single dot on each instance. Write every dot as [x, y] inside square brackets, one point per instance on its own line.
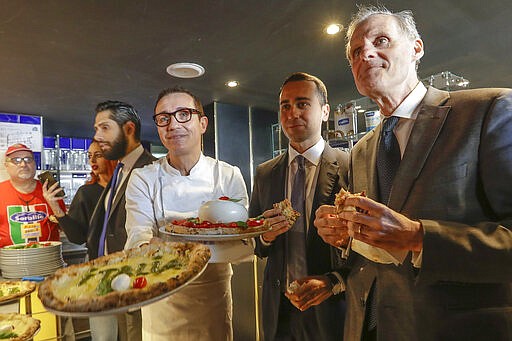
[24, 214]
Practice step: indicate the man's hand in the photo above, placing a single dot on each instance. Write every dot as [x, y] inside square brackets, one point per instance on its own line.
[278, 223]
[311, 291]
[331, 228]
[378, 225]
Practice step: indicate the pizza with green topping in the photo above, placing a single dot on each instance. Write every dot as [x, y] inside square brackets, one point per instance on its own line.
[10, 290]
[17, 327]
[124, 278]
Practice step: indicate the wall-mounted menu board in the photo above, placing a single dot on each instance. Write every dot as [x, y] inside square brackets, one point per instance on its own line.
[17, 128]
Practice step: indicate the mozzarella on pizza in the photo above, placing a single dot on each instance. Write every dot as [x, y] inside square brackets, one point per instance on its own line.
[17, 327]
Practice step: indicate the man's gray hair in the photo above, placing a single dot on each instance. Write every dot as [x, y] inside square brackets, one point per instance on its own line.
[404, 19]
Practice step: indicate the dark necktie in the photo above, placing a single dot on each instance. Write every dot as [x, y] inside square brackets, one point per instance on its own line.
[297, 234]
[113, 189]
[388, 161]
[388, 158]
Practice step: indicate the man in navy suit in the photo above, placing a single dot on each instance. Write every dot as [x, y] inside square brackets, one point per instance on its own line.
[312, 311]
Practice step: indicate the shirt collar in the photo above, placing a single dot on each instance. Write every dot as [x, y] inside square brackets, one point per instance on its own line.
[313, 154]
[197, 169]
[130, 159]
[407, 109]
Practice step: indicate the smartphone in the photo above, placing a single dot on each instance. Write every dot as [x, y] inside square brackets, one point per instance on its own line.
[47, 175]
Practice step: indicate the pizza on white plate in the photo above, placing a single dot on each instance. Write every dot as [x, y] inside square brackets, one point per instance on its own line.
[17, 327]
[124, 278]
[10, 290]
[194, 226]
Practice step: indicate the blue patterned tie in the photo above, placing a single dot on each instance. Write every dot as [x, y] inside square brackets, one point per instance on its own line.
[297, 234]
[113, 189]
[388, 158]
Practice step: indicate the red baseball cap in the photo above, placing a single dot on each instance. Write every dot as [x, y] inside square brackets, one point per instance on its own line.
[17, 147]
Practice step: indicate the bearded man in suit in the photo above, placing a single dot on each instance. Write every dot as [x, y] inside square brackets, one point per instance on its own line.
[117, 129]
[445, 218]
[296, 252]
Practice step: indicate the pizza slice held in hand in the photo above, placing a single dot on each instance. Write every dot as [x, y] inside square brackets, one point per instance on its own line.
[287, 210]
[339, 201]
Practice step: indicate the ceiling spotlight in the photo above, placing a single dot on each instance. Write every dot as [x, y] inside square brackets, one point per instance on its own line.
[185, 70]
[333, 29]
[232, 84]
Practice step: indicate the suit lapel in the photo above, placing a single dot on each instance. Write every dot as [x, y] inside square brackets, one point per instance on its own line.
[368, 166]
[278, 178]
[327, 176]
[140, 162]
[430, 120]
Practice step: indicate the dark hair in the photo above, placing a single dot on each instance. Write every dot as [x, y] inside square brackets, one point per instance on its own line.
[110, 167]
[121, 113]
[179, 90]
[321, 90]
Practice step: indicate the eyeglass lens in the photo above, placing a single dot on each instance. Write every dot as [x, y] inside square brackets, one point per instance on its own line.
[182, 116]
[18, 160]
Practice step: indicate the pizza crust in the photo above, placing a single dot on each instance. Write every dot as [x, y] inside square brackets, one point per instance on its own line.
[193, 256]
[179, 229]
[24, 326]
[10, 290]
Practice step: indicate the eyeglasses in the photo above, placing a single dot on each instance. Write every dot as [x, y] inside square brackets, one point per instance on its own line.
[96, 155]
[18, 160]
[182, 115]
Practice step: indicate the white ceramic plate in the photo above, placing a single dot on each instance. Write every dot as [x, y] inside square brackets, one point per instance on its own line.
[213, 237]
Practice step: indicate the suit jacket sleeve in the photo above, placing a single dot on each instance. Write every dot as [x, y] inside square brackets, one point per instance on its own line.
[76, 222]
[255, 209]
[478, 252]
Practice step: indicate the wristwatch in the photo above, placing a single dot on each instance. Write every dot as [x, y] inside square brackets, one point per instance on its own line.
[336, 282]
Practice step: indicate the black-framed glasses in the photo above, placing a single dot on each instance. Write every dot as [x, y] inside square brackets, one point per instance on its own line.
[18, 160]
[182, 115]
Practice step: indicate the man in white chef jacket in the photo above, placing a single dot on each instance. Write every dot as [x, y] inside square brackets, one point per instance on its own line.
[174, 187]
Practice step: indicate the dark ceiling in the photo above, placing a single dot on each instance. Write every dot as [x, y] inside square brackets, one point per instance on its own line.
[59, 58]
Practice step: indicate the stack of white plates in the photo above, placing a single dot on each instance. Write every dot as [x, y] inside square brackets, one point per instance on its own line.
[17, 261]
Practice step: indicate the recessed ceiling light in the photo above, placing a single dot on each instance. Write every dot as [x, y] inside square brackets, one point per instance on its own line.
[185, 70]
[333, 29]
[232, 84]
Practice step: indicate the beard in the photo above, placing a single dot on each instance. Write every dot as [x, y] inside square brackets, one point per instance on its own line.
[26, 175]
[118, 147]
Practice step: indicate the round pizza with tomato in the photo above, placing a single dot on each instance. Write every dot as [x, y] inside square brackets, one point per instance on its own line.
[124, 279]
[205, 227]
[222, 216]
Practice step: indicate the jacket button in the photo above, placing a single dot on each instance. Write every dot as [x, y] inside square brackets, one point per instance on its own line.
[362, 301]
[278, 283]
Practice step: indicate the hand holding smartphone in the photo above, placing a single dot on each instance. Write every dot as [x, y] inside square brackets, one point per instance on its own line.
[47, 175]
